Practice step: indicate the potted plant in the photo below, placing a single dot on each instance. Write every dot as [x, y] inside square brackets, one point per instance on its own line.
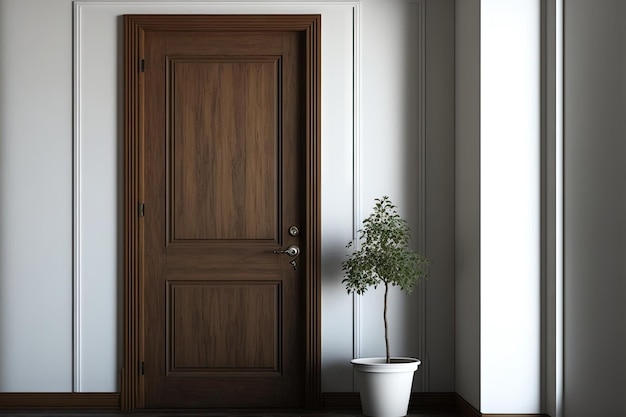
[383, 258]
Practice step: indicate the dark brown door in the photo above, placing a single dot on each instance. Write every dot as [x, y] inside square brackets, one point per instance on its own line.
[224, 182]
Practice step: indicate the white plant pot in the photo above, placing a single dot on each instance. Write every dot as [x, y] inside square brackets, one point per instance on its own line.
[385, 387]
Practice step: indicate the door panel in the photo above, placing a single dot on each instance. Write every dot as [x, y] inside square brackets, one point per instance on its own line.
[228, 130]
[224, 125]
[223, 327]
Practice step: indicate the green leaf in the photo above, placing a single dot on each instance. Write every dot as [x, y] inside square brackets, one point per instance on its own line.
[383, 256]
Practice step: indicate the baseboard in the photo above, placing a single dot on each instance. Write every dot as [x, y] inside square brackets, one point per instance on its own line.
[61, 400]
[431, 400]
[330, 401]
[465, 409]
[515, 415]
[418, 401]
[341, 401]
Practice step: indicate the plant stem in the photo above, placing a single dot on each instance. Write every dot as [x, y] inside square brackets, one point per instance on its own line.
[385, 320]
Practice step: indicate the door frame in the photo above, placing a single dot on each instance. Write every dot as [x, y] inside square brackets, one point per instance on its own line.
[131, 381]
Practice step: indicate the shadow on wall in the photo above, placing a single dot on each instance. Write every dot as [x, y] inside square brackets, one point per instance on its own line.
[412, 168]
[337, 369]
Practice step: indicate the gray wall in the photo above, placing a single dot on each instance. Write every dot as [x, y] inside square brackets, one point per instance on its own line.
[595, 209]
[439, 130]
[467, 205]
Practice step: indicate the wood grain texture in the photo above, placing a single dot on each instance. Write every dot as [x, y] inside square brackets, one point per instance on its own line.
[224, 327]
[313, 215]
[131, 385]
[293, 151]
[208, 137]
[215, 413]
[227, 130]
[59, 401]
[306, 35]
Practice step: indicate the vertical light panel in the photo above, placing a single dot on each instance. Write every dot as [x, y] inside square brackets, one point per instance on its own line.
[510, 206]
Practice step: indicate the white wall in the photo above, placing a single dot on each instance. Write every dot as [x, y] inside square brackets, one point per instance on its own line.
[36, 353]
[35, 195]
[595, 207]
[498, 299]
[414, 168]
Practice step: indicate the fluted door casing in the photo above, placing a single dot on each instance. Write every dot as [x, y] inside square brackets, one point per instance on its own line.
[225, 140]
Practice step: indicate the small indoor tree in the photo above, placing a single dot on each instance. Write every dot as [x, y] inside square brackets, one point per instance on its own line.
[383, 257]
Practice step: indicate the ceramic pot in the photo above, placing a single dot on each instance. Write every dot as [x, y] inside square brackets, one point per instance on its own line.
[385, 388]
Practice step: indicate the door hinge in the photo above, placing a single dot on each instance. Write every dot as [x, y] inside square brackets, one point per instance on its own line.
[142, 209]
[142, 65]
[142, 368]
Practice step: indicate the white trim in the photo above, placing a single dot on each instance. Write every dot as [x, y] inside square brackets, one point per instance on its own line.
[76, 278]
[205, 3]
[356, 176]
[421, 194]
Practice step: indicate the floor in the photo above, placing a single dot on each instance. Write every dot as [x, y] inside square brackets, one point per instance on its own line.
[174, 413]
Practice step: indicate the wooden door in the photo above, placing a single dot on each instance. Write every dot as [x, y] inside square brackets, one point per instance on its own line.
[224, 188]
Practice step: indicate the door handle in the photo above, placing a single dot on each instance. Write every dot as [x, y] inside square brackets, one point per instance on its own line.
[292, 251]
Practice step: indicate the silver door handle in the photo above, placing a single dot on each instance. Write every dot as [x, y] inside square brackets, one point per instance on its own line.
[292, 251]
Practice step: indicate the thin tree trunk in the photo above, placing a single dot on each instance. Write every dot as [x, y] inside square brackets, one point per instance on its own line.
[385, 319]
